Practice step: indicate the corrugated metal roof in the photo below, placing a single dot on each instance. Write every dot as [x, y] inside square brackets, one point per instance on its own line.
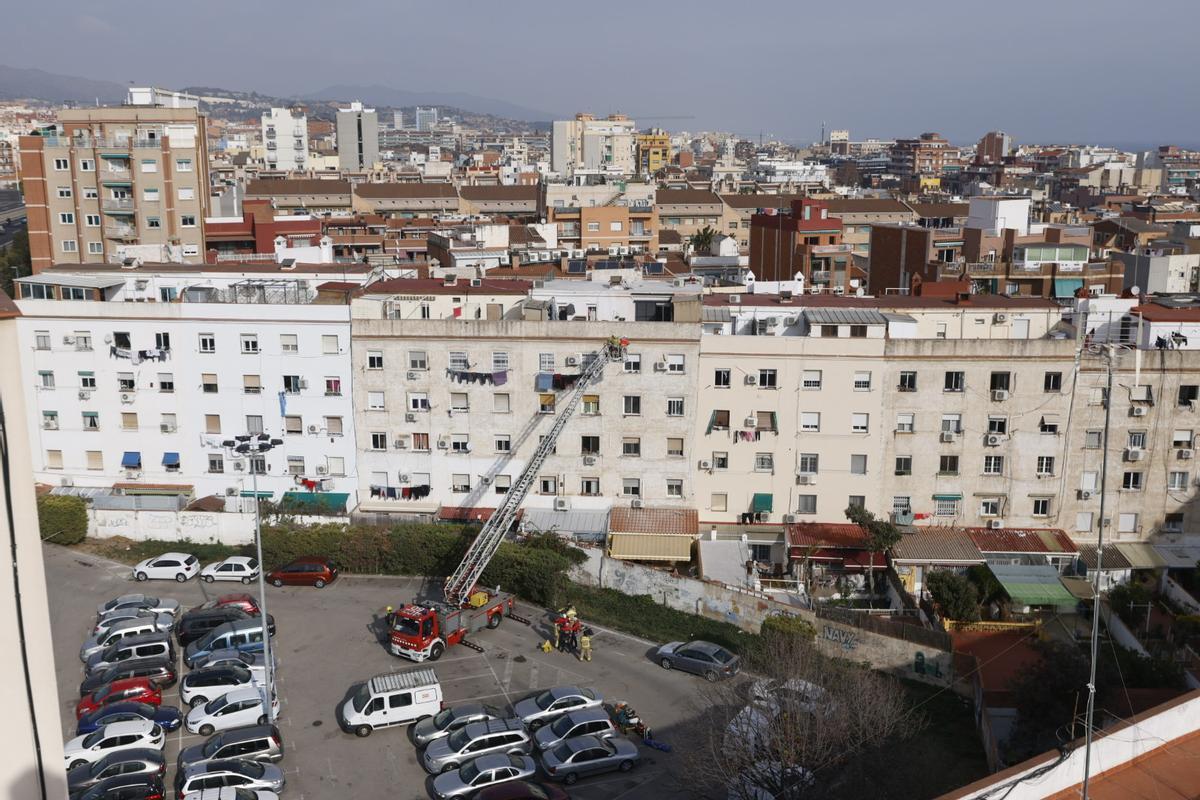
[939, 545]
[1021, 540]
[84, 281]
[677, 521]
[1140, 555]
[715, 314]
[650, 547]
[844, 316]
[826, 534]
[1113, 558]
[586, 523]
[1179, 556]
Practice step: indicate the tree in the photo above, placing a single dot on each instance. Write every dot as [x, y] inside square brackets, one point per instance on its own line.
[955, 594]
[15, 261]
[702, 240]
[62, 519]
[786, 733]
[881, 534]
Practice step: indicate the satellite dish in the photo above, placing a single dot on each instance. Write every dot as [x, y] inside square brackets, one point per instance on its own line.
[1135, 291]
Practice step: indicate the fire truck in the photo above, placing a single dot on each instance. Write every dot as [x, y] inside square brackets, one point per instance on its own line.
[423, 631]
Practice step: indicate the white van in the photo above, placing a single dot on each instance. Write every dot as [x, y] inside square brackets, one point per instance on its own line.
[395, 699]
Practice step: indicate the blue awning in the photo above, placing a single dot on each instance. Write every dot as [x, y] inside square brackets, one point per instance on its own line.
[132, 458]
[1065, 287]
[170, 459]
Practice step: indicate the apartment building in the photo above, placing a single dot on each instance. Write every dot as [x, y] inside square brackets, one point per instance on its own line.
[807, 241]
[357, 138]
[449, 414]
[513, 201]
[406, 200]
[301, 195]
[739, 208]
[106, 184]
[653, 151]
[136, 377]
[688, 211]
[587, 145]
[860, 215]
[285, 138]
[616, 229]
[924, 155]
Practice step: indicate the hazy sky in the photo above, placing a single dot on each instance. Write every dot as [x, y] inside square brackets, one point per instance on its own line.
[1102, 70]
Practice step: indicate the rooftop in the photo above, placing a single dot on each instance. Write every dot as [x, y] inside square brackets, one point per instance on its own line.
[510, 193]
[941, 545]
[274, 187]
[686, 197]
[1021, 540]
[399, 191]
[438, 286]
[677, 521]
[826, 534]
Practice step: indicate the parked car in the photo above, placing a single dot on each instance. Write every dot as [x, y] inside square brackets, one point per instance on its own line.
[237, 772]
[233, 793]
[481, 772]
[316, 571]
[522, 790]
[167, 567]
[587, 722]
[125, 787]
[161, 671]
[146, 645]
[167, 716]
[165, 621]
[448, 720]
[246, 602]
[589, 755]
[239, 707]
[111, 739]
[254, 742]
[494, 736]
[234, 568]
[123, 762]
[255, 662]
[195, 624]
[709, 660]
[146, 601]
[543, 707]
[139, 626]
[201, 685]
[135, 690]
[397, 698]
[242, 634]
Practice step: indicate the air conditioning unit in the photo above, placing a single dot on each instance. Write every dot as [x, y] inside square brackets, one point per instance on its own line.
[999, 395]
[1134, 454]
[303, 383]
[947, 436]
[762, 516]
[322, 470]
[400, 444]
[635, 502]
[751, 380]
[750, 422]
[993, 439]
[1186, 453]
[166, 428]
[1084, 494]
[410, 417]
[127, 398]
[66, 482]
[68, 340]
[998, 319]
[443, 444]
[231, 491]
[412, 376]
[790, 518]
[790, 321]
[806, 480]
[313, 429]
[735, 299]
[572, 361]
[660, 366]
[589, 461]
[85, 395]
[238, 466]
[132, 474]
[771, 322]
[995, 523]
[50, 425]
[403, 478]
[705, 465]
[1137, 411]
[562, 504]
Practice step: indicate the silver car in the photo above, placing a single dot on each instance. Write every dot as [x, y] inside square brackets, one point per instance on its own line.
[588, 722]
[448, 720]
[122, 762]
[502, 736]
[255, 662]
[165, 621]
[482, 772]
[589, 755]
[238, 772]
[137, 600]
[536, 711]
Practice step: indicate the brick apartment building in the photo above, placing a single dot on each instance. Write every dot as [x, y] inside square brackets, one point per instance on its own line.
[805, 240]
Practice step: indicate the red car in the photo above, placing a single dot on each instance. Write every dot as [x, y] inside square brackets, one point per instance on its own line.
[127, 690]
[245, 602]
[305, 571]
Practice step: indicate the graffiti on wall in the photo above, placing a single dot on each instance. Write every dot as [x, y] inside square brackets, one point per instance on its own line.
[848, 640]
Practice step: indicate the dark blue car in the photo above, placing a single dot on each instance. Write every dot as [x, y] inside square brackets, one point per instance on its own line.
[166, 716]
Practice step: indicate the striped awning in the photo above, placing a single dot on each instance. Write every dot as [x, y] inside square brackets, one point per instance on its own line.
[650, 546]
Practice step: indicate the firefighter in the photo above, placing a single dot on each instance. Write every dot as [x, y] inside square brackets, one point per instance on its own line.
[585, 645]
[573, 628]
[560, 626]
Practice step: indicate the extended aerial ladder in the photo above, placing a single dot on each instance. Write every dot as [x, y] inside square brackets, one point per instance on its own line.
[459, 585]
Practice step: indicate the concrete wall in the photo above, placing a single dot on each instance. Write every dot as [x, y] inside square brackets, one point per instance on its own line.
[1120, 631]
[1180, 596]
[201, 527]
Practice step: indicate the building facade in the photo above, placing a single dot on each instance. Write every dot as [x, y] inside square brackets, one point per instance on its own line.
[357, 138]
[588, 145]
[285, 138]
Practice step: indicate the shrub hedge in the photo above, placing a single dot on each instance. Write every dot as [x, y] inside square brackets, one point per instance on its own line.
[62, 519]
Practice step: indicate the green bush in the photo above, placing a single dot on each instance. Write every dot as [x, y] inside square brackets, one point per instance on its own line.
[955, 594]
[62, 519]
[1130, 601]
[641, 616]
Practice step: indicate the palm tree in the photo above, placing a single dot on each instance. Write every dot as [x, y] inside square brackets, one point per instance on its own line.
[702, 239]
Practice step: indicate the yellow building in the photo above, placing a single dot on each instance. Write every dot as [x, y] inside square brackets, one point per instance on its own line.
[653, 151]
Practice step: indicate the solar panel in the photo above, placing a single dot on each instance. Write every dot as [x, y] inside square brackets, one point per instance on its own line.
[577, 266]
[654, 268]
[606, 264]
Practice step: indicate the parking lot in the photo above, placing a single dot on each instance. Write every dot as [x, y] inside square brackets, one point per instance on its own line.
[328, 640]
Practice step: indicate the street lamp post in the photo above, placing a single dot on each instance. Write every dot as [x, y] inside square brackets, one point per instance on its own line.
[247, 447]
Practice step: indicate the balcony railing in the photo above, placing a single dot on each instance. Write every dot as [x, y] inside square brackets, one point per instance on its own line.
[101, 142]
[117, 204]
[120, 232]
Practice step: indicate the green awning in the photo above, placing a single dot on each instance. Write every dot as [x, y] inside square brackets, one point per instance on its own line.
[124, 156]
[261, 495]
[1065, 287]
[947, 497]
[107, 182]
[761, 502]
[118, 212]
[1033, 585]
[317, 501]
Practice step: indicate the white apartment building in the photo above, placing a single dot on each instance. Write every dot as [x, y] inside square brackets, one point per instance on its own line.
[587, 145]
[127, 392]
[357, 138]
[285, 138]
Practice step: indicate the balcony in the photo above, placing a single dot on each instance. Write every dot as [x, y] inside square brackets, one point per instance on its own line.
[122, 232]
[271, 145]
[117, 205]
[270, 133]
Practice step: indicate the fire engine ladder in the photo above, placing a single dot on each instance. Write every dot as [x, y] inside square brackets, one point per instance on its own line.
[459, 585]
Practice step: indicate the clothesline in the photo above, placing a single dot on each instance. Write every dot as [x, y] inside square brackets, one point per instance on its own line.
[400, 492]
[463, 376]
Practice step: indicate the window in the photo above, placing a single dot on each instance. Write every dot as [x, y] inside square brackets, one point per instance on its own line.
[47, 379]
[418, 401]
[810, 421]
[721, 378]
[91, 221]
[254, 423]
[862, 381]
[460, 484]
[251, 384]
[720, 459]
[1092, 439]
[593, 227]
[292, 384]
[808, 463]
[674, 406]
[860, 423]
[633, 362]
[183, 165]
[631, 487]
[806, 504]
[1083, 521]
[908, 382]
[764, 462]
[329, 345]
[153, 222]
[258, 465]
[829, 331]
[545, 362]
[90, 193]
[1137, 439]
[951, 423]
[295, 465]
[954, 382]
[1181, 438]
[126, 382]
[1041, 506]
[904, 465]
[64, 191]
[947, 465]
[989, 507]
[591, 405]
[420, 441]
[767, 379]
[375, 401]
[1001, 381]
[901, 504]
[54, 459]
[1048, 424]
[458, 361]
[1052, 382]
[1173, 523]
[718, 502]
[378, 440]
[674, 446]
[858, 331]
[631, 446]
[1131, 481]
[208, 382]
[858, 464]
[503, 443]
[460, 443]
[1177, 481]
[166, 382]
[501, 403]
[50, 420]
[91, 421]
[87, 165]
[675, 363]
[187, 193]
[129, 421]
[212, 423]
[61, 165]
[719, 421]
[87, 380]
[70, 246]
[674, 487]
[998, 425]
[993, 465]
[946, 506]
[208, 343]
[857, 501]
[548, 484]
[546, 403]
[95, 249]
[249, 343]
[418, 360]
[333, 426]
[150, 196]
[459, 401]
[589, 445]
[500, 361]
[1188, 395]
[1045, 465]
[501, 484]
[810, 379]
[66, 218]
[333, 386]
[632, 405]
[1127, 523]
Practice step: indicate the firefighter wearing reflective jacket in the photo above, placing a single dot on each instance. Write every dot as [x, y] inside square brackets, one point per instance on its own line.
[585, 645]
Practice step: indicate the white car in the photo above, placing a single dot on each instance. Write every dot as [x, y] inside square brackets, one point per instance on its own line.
[234, 568]
[232, 793]
[132, 735]
[167, 567]
[231, 710]
[164, 621]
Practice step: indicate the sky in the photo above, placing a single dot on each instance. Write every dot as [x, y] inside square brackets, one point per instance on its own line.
[1053, 70]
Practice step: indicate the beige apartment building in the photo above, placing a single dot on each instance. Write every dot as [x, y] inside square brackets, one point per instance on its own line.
[108, 184]
[687, 211]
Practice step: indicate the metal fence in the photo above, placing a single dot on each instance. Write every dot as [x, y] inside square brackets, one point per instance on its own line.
[885, 627]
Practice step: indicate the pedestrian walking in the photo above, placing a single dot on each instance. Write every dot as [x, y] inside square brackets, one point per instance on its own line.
[585, 645]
